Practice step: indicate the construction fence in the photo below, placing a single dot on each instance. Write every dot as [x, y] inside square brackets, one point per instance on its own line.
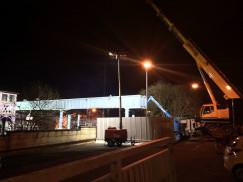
[138, 128]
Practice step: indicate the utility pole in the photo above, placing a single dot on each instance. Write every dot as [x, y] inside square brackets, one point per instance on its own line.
[117, 57]
[119, 86]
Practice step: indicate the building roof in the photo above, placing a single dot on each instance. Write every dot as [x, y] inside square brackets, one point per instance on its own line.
[9, 92]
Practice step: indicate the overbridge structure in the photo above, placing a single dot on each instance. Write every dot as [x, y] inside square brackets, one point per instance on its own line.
[110, 102]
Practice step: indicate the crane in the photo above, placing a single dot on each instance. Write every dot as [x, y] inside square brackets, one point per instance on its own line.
[166, 113]
[176, 122]
[210, 111]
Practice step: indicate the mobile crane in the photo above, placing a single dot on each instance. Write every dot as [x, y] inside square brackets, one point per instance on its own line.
[212, 111]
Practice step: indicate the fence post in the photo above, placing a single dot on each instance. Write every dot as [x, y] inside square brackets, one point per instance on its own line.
[172, 175]
[116, 171]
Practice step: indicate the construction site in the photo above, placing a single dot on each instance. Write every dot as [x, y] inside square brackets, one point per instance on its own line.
[166, 132]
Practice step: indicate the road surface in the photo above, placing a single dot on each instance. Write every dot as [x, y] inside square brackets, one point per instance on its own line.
[197, 161]
[23, 161]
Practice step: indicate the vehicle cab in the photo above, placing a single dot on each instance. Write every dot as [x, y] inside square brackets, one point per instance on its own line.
[213, 112]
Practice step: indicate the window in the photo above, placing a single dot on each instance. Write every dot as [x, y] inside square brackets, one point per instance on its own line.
[208, 109]
[4, 97]
[11, 98]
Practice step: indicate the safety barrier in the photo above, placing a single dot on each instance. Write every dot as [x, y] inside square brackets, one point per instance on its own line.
[28, 139]
[147, 162]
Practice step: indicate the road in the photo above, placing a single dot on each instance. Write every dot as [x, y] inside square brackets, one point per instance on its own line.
[18, 162]
[197, 161]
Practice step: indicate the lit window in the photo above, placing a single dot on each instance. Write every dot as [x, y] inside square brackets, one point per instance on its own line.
[208, 110]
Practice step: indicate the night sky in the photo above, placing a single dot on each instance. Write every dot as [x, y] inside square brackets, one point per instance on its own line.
[65, 43]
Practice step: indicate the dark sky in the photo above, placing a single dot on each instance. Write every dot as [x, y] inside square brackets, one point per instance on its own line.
[64, 43]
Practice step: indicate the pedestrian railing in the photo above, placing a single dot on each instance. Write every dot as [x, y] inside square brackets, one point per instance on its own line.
[151, 161]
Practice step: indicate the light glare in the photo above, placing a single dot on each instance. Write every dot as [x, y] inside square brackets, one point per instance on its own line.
[228, 87]
[94, 110]
[147, 64]
[195, 86]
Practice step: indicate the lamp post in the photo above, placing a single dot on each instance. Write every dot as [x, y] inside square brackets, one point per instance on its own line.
[147, 65]
[117, 57]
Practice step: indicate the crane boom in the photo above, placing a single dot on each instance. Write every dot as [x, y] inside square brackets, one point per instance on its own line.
[167, 114]
[210, 92]
[202, 62]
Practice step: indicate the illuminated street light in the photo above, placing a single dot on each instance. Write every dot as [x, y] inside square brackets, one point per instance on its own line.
[147, 65]
[94, 110]
[195, 86]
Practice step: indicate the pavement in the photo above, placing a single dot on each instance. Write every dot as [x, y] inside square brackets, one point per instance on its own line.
[196, 160]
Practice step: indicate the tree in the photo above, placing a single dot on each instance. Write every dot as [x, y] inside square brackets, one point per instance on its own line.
[178, 100]
[39, 91]
[38, 95]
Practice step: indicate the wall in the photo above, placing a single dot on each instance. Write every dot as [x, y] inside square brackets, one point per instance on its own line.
[138, 127]
[19, 140]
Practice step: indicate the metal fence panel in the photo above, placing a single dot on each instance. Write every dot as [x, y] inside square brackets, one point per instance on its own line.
[138, 128]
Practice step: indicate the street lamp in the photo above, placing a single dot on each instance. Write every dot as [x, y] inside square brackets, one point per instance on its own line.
[117, 57]
[147, 65]
[195, 86]
[94, 110]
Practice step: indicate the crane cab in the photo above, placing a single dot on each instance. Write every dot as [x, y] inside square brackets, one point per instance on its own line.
[211, 112]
